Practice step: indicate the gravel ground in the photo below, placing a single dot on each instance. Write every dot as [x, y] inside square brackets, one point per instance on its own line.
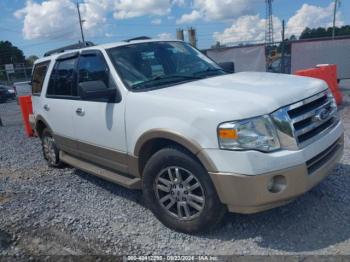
[45, 211]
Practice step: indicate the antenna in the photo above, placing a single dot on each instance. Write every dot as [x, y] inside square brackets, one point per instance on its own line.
[269, 41]
[81, 25]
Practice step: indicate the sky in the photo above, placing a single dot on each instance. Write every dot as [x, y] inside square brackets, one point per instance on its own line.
[36, 26]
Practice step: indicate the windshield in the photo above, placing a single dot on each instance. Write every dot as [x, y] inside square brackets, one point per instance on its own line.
[159, 64]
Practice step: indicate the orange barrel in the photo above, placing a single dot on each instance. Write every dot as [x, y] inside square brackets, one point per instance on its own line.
[328, 73]
[25, 103]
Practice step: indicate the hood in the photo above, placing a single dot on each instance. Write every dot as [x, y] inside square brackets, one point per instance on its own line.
[243, 95]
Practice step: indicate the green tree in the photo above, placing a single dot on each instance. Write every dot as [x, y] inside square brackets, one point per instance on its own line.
[292, 38]
[31, 59]
[324, 32]
[10, 54]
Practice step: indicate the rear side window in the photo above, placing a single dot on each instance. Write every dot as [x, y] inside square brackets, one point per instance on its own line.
[63, 79]
[39, 77]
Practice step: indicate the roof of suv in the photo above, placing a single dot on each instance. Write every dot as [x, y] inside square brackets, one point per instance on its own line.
[103, 46]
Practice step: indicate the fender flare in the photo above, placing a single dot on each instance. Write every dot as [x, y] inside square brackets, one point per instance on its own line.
[191, 145]
[42, 119]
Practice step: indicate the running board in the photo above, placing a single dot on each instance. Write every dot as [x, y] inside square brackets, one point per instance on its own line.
[131, 183]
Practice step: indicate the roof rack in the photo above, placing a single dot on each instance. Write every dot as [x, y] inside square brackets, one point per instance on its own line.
[69, 47]
[138, 38]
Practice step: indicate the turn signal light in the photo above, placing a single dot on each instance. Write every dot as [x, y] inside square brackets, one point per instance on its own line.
[228, 134]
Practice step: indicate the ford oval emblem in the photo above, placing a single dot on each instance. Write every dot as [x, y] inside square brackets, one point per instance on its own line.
[322, 114]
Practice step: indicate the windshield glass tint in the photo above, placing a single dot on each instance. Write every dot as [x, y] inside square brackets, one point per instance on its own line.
[154, 64]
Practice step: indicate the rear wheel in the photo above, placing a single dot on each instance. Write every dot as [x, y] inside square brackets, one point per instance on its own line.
[180, 193]
[50, 150]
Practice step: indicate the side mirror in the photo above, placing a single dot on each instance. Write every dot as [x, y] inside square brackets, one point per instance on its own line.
[93, 90]
[228, 67]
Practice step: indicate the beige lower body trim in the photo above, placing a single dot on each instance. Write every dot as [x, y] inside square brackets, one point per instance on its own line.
[103, 156]
[250, 194]
[66, 144]
[128, 182]
[133, 166]
[100, 156]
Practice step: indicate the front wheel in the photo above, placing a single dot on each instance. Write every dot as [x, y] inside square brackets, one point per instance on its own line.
[180, 193]
[50, 150]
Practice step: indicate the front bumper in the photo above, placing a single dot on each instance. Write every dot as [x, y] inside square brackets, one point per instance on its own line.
[251, 194]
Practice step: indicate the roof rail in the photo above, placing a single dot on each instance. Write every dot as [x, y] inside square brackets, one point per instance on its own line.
[69, 47]
[138, 38]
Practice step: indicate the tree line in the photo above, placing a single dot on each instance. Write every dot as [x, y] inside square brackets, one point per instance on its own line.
[10, 54]
[321, 32]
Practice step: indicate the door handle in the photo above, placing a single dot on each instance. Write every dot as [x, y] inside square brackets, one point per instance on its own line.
[80, 111]
[46, 107]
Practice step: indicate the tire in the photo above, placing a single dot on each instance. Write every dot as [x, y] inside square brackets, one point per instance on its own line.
[50, 150]
[164, 199]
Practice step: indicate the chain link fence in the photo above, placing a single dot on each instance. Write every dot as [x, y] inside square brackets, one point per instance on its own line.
[20, 73]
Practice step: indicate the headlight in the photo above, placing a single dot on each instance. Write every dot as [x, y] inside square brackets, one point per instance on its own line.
[257, 133]
[331, 97]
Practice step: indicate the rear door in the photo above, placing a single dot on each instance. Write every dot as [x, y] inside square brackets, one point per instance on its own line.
[57, 105]
[99, 125]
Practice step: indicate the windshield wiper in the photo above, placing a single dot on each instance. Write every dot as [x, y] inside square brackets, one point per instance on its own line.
[208, 70]
[168, 78]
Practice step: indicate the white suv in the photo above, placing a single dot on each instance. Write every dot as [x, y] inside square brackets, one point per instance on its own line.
[162, 117]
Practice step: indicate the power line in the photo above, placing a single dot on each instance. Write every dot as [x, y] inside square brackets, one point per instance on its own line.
[51, 32]
[169, 25]
[56, 38]
[9, 30]
[38, 44]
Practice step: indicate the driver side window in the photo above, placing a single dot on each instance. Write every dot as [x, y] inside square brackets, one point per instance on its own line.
[94, 80]
[91, 68]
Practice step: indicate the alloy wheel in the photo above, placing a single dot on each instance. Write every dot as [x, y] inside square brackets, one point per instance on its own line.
[49, 149]
[180, 193]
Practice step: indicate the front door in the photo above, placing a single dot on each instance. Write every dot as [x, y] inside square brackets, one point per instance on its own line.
[98, 124]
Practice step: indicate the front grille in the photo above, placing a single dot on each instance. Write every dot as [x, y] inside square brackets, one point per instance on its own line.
[312, 117]
[316, 162]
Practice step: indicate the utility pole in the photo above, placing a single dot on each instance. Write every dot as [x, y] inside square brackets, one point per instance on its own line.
[269, 33]
[269, 41]
[81, 25]
[336, 3]
[283, 48]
